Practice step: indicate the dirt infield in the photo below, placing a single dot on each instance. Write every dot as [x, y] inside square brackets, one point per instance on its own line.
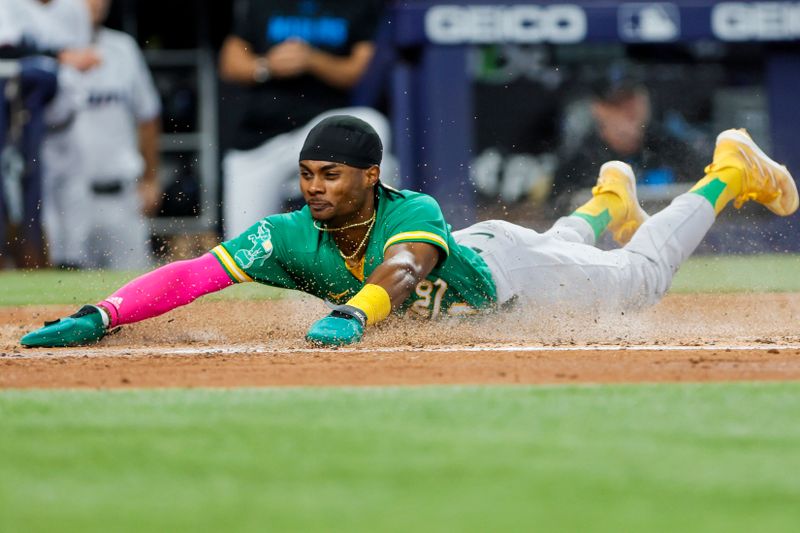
[232, 344]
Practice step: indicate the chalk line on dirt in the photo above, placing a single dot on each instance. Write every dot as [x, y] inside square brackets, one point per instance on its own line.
[251, 349]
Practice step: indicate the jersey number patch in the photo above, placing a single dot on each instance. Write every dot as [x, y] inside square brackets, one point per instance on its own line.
[430, 295]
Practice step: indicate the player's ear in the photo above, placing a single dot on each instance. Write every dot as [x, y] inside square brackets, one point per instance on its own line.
[598, 110]
[373, 174]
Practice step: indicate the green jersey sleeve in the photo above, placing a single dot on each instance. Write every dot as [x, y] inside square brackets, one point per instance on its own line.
[256, 255]
[420, 219]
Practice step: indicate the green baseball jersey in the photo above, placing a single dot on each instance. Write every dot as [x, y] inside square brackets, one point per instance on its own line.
[288, 251]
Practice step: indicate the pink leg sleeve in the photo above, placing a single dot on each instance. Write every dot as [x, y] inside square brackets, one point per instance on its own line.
[166, 288]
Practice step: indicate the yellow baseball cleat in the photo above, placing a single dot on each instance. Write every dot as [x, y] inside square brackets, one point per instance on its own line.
[764, 180]
[617, 178]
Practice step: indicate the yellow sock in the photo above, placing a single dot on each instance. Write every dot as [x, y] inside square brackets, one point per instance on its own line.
[601, 211]
[601, 202]
[719, 187]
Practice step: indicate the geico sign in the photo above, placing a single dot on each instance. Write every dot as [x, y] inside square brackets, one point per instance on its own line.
[762, 21]
[517, 24]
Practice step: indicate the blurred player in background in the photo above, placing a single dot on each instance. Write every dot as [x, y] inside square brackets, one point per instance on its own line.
[43, 45]
[295, 60]
[374, 250]
[623, 128]
[98, 198]
[36, 27]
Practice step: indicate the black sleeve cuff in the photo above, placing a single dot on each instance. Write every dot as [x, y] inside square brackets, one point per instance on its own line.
[348, 311]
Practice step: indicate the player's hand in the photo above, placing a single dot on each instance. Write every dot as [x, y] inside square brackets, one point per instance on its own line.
[79, 329]
[151, 196]
[289, 59]
[345, 325]
[81, 59]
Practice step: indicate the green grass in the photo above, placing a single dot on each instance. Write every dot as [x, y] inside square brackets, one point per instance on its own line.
[622, 458]
[766, 273]
[756, 273]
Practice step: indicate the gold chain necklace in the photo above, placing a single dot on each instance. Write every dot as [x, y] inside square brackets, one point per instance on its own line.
[342, 228]
[360, 245]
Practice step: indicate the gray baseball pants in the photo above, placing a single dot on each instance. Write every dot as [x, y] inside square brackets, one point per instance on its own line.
[562, 269]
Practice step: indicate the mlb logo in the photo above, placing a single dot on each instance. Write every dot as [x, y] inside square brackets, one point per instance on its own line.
[649, 22]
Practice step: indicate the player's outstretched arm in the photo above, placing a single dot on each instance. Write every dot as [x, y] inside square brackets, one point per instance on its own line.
[149, 295]
[404, 265]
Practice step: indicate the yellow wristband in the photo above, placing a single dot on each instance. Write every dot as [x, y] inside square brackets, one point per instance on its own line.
[374, 301]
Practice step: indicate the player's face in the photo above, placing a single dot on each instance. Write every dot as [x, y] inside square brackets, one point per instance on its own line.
[334, 191]
[622, 124]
